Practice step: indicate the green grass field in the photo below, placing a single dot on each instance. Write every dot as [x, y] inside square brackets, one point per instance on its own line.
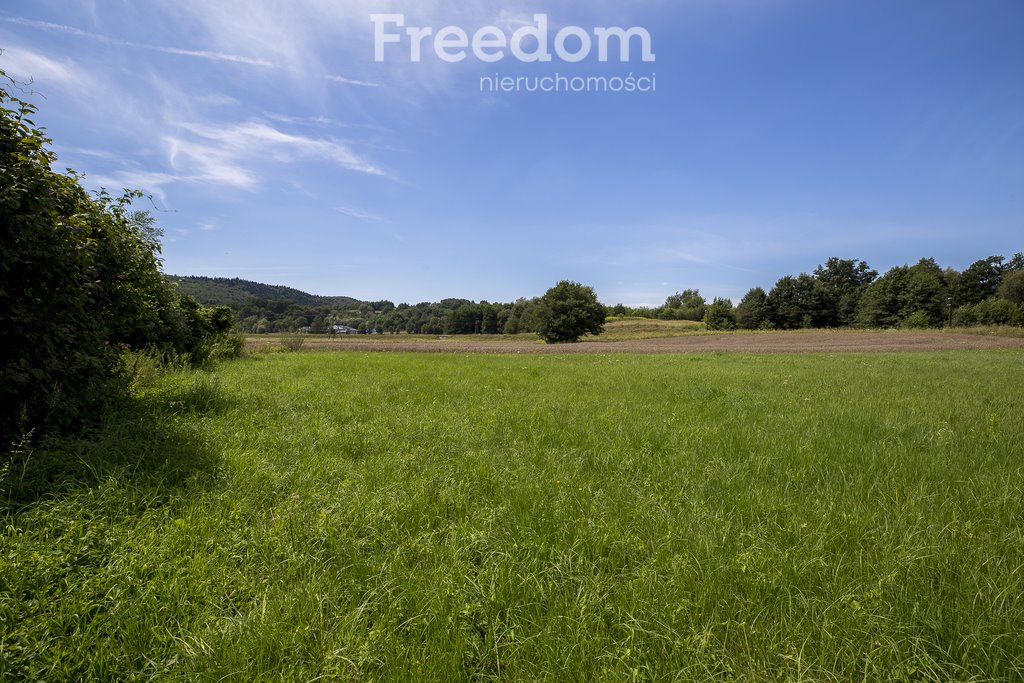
[445, 517]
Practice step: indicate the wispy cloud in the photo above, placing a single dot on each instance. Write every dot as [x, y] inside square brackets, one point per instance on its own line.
[225, 148]
[361, 215]
[234, 156]
[351, 81]
[182, 52]
[305, 120]
[217, 100]
[211, 55]
[197, 161]
[28, 64]
[150, 182]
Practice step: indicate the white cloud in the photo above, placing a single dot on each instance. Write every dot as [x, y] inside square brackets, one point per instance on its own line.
[232, 155]
[227, 151]
[204, 162]
[201, 54]
[24, 64]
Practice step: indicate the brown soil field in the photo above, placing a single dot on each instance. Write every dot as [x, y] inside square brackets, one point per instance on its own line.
[755, 342]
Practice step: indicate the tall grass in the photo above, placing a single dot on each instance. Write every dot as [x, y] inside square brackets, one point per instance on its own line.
[445, 517]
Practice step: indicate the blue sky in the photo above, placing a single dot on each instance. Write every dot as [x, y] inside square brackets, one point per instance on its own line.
[780, 133]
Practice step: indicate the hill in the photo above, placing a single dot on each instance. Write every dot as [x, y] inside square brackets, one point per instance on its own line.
[234, 292]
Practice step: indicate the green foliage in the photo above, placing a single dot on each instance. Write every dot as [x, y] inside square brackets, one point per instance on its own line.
[466, 319]
[1015, 263]
[79, 281]
[568, 311]
[847, 292]
[841, 283]
[1012, 287]
[235, 292]
[294, 310]
[720, 315]
[797, 302]
[686, 305]
[753, 311]
[903, 292]
[979, 281]
[990, 312]
[918, 320]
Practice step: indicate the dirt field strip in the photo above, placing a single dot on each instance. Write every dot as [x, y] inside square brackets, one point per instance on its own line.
[767, 342]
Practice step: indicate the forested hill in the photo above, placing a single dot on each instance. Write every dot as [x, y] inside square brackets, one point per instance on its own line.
[233, 292]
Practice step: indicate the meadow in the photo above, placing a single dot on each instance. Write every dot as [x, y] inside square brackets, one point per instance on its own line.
[367, 516]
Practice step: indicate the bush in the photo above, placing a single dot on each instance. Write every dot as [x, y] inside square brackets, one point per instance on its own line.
[80, 282]
[918, 320]
[989, 312]
[568, 311]
[293, 341]
[228, 346]
[965, 316]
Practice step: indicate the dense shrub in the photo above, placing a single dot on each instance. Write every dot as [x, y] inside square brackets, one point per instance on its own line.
[568, 311]
[80, 282]
[989, 312]
[918, 320]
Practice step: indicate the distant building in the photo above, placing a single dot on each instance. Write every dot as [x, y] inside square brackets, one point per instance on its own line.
[343, 329]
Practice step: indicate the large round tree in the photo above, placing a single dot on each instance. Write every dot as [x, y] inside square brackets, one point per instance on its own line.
[568, 311]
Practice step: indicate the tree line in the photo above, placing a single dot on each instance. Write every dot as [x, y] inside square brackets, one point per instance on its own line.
[839, 293]
[448, 316]
[848, 293]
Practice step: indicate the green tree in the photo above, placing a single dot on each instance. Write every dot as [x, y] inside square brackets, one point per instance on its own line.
[1012, 287]
[753, 311]
[463, 320]
[842, 283]
[904, 291]
[568, 311]
[720, 315]
[521, 317]
[686, 305]
[797, 302]
[979, 281]
[489, 318]
[1015, 263]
